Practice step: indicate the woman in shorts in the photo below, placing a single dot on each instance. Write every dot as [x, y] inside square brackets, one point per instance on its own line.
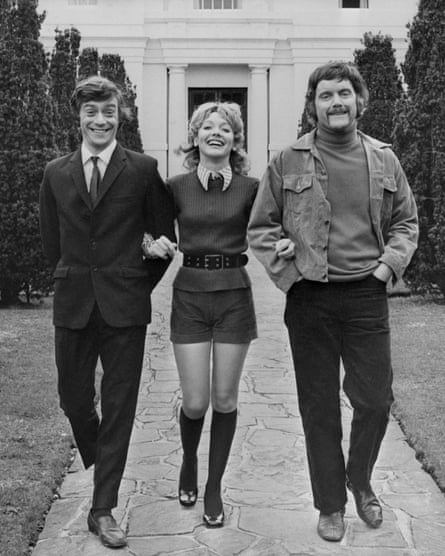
[213, 317]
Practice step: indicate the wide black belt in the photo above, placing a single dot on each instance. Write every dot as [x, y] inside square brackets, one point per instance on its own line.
[215, 262]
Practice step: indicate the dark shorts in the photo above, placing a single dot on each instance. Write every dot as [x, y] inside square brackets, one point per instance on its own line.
[225, 316]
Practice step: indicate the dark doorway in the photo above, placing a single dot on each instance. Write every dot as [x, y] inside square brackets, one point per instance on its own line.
[198, 96]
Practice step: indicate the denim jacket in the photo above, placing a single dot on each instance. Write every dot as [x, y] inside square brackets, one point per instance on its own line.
[291, 202]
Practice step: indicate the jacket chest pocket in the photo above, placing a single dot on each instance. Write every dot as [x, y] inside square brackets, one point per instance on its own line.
[298, 206]
[388, 190]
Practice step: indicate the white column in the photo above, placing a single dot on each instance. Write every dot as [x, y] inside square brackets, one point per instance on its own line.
[258, 120]
[177, 116]
[282, 100]
[153, 113]
[301, 76]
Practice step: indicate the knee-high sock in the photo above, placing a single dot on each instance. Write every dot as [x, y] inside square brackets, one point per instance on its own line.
[222, 431]
[190, 436]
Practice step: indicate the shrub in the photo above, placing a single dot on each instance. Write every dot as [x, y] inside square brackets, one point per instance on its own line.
[27, 142]
[420, 141]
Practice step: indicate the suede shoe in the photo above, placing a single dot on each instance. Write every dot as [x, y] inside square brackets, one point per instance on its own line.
[368, 507]
[108, 531]
[331, 527]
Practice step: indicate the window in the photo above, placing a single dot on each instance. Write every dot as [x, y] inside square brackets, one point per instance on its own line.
[82, 2]
[217, 4]
[354, 4]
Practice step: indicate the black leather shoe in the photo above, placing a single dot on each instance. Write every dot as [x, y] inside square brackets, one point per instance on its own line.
[110, 534]
[368, 507]
[331, 527]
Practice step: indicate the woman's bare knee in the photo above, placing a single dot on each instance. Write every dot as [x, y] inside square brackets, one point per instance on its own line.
[195, 409]
[224, 403]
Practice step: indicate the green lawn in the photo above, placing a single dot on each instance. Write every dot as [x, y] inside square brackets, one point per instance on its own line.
[418, 347]
[35, 436]
[35, 442]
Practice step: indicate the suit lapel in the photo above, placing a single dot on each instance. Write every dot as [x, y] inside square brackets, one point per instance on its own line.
[114, 168]
[78, 176]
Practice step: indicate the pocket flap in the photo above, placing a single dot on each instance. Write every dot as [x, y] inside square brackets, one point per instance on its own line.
[123, 198]
[61, 272]
[133, 272]
[389, 183]
[297, 183]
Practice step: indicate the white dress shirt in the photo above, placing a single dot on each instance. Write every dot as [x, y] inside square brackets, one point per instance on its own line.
[102, 161]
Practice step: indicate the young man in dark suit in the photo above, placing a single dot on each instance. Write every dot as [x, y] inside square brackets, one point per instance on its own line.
[95, 206]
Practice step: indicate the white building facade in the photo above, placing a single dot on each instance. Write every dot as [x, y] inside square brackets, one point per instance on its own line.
[259, 53]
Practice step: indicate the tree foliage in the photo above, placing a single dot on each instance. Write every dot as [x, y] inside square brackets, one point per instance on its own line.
[306, 124]
[377, 64]
[37, 125]
[112, 67]
[420, 140]
[88, 63]
[63, 72]
[27, 142]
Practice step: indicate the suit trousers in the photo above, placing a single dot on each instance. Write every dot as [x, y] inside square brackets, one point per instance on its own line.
[102, 441]
[329, 322]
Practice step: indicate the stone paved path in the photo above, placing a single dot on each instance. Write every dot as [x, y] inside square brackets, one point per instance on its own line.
[267, 496]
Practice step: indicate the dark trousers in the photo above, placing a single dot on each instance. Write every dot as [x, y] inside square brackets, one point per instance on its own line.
[102, 441]
[326, 323]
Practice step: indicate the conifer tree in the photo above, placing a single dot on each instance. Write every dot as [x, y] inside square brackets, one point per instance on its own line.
[27, 142]
[420, 141]
[63, 72]
[377, 64]
[88, 63]
[112, 67]
[306, 124]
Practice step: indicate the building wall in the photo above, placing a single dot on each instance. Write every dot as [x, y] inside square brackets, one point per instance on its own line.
[269, 47]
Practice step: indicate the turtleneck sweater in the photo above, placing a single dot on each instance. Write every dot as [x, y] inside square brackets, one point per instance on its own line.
[353, 250]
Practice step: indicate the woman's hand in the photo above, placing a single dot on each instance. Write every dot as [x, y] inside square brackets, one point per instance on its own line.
[285, 249]
[160, 248]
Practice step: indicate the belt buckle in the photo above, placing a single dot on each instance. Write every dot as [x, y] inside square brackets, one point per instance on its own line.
[187, 260]
[213, 262]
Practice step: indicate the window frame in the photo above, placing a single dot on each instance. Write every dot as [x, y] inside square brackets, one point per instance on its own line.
[82, 3]
[217, 4]
[363, 5]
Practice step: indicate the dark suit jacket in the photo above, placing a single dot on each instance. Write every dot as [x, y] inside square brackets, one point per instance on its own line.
[96, 250]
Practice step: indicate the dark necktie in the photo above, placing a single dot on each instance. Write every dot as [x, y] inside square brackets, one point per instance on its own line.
[216, 181]
[95, 179]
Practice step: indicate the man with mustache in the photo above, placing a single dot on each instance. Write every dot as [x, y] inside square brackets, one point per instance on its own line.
[334, 221]
[95, 206]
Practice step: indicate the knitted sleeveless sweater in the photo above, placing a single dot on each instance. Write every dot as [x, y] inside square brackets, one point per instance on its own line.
[211, 222]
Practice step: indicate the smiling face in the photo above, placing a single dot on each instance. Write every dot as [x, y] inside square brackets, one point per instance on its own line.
[99, 123]
[215, 141]
[335, 105]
